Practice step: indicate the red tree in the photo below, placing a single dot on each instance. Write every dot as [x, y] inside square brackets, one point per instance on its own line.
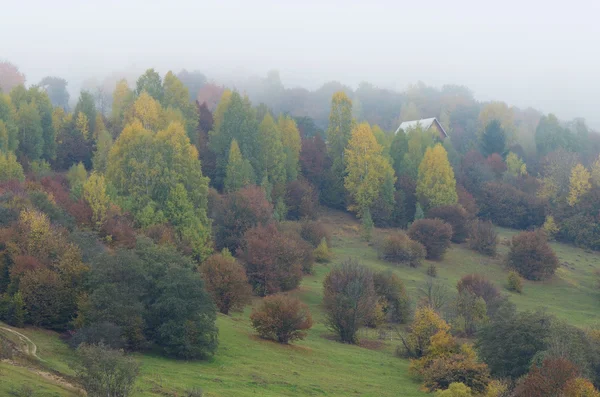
[10, 77]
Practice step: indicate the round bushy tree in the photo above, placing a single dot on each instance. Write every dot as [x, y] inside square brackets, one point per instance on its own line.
[531, 256]
[455, 216]
[281, 318]
[434, 234]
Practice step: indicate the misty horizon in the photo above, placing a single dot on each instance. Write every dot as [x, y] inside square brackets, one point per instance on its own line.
[522, 54]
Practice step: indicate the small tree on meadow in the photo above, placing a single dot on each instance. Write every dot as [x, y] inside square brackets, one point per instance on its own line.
[226, 281]
[349, 299]
[434, 234]
[455, 216]
[531, 256]
[105, 372]
[483, 237]
[281, 318]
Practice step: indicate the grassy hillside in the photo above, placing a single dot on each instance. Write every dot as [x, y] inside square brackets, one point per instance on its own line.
[319, 366]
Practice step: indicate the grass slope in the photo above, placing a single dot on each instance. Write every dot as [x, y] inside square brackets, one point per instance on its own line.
[319, 366]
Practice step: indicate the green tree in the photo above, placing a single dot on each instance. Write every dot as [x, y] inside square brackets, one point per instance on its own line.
[436, 185]
[87, 105]
[176, 96]
[493, 139]
[103, 145]
[271, 157]
[418, 142]
[398, 150]
[550, 135]
[122, 99]
[31, 138]
[8, 115]
[290, 138]
[150, 82]
[366, 168]
[239, 172]
[56, 88]
[45, 110]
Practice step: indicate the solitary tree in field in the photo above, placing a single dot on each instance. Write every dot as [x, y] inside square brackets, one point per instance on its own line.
[282, 318]
[436, 185]
[349, 298]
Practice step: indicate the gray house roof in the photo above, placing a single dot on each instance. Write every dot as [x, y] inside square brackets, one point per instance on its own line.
[425, 124]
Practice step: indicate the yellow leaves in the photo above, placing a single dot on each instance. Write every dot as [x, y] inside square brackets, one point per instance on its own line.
[148, 111]
[94, 192]
[35, 227]
[515, 166]
[498, 111]
[579, 184]
[219, 113]
[550, 227]
[82, 124]
[436, 185]
[595, 172]
[580, 387]
[366, 168]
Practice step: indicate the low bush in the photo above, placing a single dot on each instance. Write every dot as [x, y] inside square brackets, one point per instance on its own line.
[314, 232]
[281, 318]
[399, 248]
[394, 300]
[531, 256]
[483, 237]
[434, 234]
[481, 287]
[105, 333]
[514, 282]
[322, 253]
[454, 215]
[509, 207]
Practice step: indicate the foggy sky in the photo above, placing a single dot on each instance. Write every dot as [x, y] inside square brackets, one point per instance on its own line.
[527, 53]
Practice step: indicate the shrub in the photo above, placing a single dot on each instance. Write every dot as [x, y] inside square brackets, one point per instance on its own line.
[349, 299]
[226, 282]
[580, 387]
[432, 270]
[301, 200]
[467, 201]
[103, 333]
[481, 287]
[531, 256]
[425, 325]
[399, 248]
[455, 216]
[395, 304]
[456, 368]
[434, 234]
[314, 232]
[509, 207]
[514, 282]
[548, 380]
[104, 372]
[483, 237]
[322, 253]
[281, 318]
[118, 230]
[455, 389]
[239, 212]
[273, 260]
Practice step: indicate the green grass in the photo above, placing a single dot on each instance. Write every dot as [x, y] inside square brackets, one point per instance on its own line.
[13, 378]
[319, 366]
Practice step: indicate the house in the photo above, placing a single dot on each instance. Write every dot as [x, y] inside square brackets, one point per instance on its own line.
[425, 124]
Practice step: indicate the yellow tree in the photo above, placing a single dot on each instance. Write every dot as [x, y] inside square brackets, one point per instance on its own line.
[436, 185]
[271, 158]
[501, 112]
[239, 172]
[148, 111]
[122, 99]
[94, 192]
[366, 168]
[99, 126]
[515, 166]
[81, 124]
[290, 138]
[579, 184]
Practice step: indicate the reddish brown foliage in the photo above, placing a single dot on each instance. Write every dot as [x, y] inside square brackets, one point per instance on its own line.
[226, 281]
[481, 287]
[119, 229]
[10, 77]
[314, 232]
[496, 164]
[238, 212]
[399, 248]
[483, 237]
[313, 159]
[302, 200]
[58, 186]
[163, 234]
[531, 256]
[547, 380]
[434, 234]
[273, 260]
[510, 207]
[281, 318]
[467, 201]
[455, 216]
[210, 94]
[23, 264]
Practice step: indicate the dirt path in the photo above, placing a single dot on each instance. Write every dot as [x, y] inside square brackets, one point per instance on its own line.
[30, 347]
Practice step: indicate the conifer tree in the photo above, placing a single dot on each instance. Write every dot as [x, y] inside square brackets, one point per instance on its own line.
[271, 157]
[436, 185]
[239, 171]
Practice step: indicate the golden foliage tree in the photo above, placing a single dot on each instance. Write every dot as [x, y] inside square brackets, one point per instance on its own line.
[436, 185]
[290, 138]
[515, 166]
[366, 168]
[579, 184]
[94, 192]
